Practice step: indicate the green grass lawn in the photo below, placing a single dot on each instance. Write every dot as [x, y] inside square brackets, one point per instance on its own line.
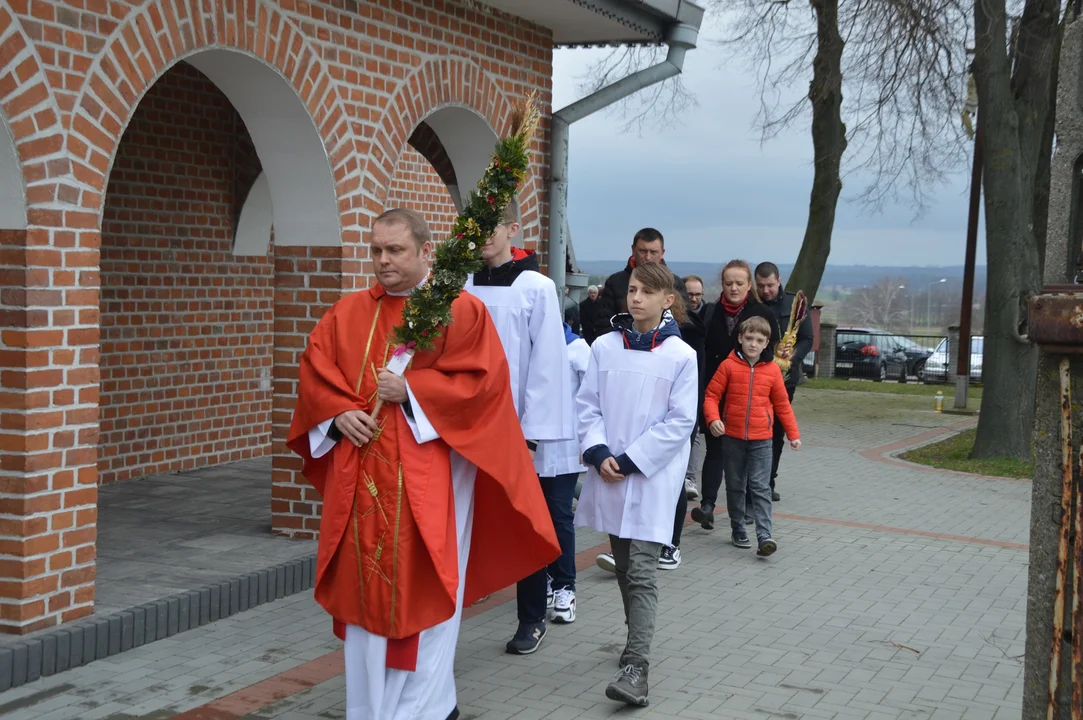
[954, 454]
[892, 388]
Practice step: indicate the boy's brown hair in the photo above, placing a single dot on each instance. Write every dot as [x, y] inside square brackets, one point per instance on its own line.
[757, 325]
[658, 278]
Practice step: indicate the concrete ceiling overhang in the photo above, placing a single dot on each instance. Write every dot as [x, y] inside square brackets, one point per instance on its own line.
[578, 23]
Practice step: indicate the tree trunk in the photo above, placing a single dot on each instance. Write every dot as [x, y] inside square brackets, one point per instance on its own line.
[1013, 109]
[828, 143]
[1044, 173]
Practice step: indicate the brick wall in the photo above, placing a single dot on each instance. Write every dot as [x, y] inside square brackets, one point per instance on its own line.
[71, 78]
[417, 186]
[186, 327]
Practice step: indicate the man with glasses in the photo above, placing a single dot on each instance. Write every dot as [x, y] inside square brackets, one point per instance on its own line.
[693, 285]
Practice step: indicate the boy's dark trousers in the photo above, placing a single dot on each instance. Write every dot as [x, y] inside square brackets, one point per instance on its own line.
[530, 591]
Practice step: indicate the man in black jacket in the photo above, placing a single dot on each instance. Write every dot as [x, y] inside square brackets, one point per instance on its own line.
[589, 314]
[769, 287]
[648, 246]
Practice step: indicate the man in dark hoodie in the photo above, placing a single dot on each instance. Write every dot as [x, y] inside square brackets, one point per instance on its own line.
[648, 246]
[769, 287]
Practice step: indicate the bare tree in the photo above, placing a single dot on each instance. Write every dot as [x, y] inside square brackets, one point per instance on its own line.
[884, 305]
[901, 65]
[1015, 105]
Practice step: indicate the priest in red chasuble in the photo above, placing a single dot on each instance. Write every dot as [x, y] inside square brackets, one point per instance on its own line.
[429, 505]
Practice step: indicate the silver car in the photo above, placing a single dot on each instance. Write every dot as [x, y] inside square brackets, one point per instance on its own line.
[936, 367]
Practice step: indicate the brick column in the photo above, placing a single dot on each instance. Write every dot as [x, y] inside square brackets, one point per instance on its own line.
[825, 356]
[308, 280]
[48, 422]
[953, 353]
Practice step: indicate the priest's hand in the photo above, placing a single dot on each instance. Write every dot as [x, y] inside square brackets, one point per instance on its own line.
[391, 387]
[356, 426]
[611, 471]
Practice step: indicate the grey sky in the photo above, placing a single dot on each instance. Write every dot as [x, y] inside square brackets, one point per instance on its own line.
[715, 192]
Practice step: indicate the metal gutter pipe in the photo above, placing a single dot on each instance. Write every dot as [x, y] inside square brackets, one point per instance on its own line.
[680, 39]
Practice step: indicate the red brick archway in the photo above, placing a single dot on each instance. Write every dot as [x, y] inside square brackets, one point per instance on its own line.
[32, 115]
[450, 82]
[137, 54]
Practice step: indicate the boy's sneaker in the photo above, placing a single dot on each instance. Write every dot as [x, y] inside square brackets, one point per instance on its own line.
[740, 539]
[767, 547]
[527, 639]
[775, 497]
[749, 520]
[704, 515]
[549, 597]
[606, 562]
[690, 490]
[564, 607]
[670, 559]
[629, 686]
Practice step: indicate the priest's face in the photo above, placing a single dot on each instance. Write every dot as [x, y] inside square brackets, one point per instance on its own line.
[400, 261]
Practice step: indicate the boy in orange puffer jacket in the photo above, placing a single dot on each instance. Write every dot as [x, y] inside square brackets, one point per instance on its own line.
[754, 393]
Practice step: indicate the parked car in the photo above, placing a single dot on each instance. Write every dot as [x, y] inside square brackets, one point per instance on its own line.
[870, 353]
[916, 355]
[936, 367]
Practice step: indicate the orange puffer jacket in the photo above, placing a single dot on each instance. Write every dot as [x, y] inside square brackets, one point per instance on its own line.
[754, 395]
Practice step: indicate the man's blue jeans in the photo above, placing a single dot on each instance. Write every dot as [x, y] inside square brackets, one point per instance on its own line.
[748, 466]
[530, 591]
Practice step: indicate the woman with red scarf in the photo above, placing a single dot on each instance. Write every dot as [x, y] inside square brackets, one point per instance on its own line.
[738, 303]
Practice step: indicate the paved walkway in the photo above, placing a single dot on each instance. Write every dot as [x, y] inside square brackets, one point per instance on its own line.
[897, 592]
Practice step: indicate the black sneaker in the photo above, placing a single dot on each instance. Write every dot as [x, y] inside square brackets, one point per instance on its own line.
[704, 516]
[527, 638]
[740, 539]
[670, 559]
[767, 547]
[775, 497]
[629, 686]
[749, 520]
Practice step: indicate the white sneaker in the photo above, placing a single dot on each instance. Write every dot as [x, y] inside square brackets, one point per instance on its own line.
[606, 562]
[670, 559]
[549, 599]
[564, 608]
[690, 489]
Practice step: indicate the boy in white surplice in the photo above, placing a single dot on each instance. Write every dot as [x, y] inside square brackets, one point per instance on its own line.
[525, 309]
[636, 410]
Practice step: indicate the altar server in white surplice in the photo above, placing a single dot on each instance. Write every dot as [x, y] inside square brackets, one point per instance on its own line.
[525, 309]
[637, 407]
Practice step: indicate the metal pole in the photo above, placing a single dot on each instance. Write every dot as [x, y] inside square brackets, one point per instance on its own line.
[962, 370]
[1067, 469]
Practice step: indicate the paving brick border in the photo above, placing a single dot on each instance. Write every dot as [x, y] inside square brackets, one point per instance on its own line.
[83, 642]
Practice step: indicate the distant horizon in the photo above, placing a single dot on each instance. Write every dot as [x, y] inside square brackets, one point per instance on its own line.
[829, 264]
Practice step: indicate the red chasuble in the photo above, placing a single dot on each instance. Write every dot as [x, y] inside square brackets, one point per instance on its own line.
[387, 558]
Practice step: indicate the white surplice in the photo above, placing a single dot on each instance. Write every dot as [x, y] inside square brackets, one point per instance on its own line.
[531, 329]
[642, 404]
[562, 457]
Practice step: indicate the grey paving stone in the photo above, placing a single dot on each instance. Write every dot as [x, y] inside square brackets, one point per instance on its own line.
[807, 634]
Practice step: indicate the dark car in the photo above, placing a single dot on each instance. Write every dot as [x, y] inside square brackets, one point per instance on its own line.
[916, 356]
[871, 354]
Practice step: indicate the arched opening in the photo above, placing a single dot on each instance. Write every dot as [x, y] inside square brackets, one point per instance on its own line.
[444, 158]
[219, 151]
